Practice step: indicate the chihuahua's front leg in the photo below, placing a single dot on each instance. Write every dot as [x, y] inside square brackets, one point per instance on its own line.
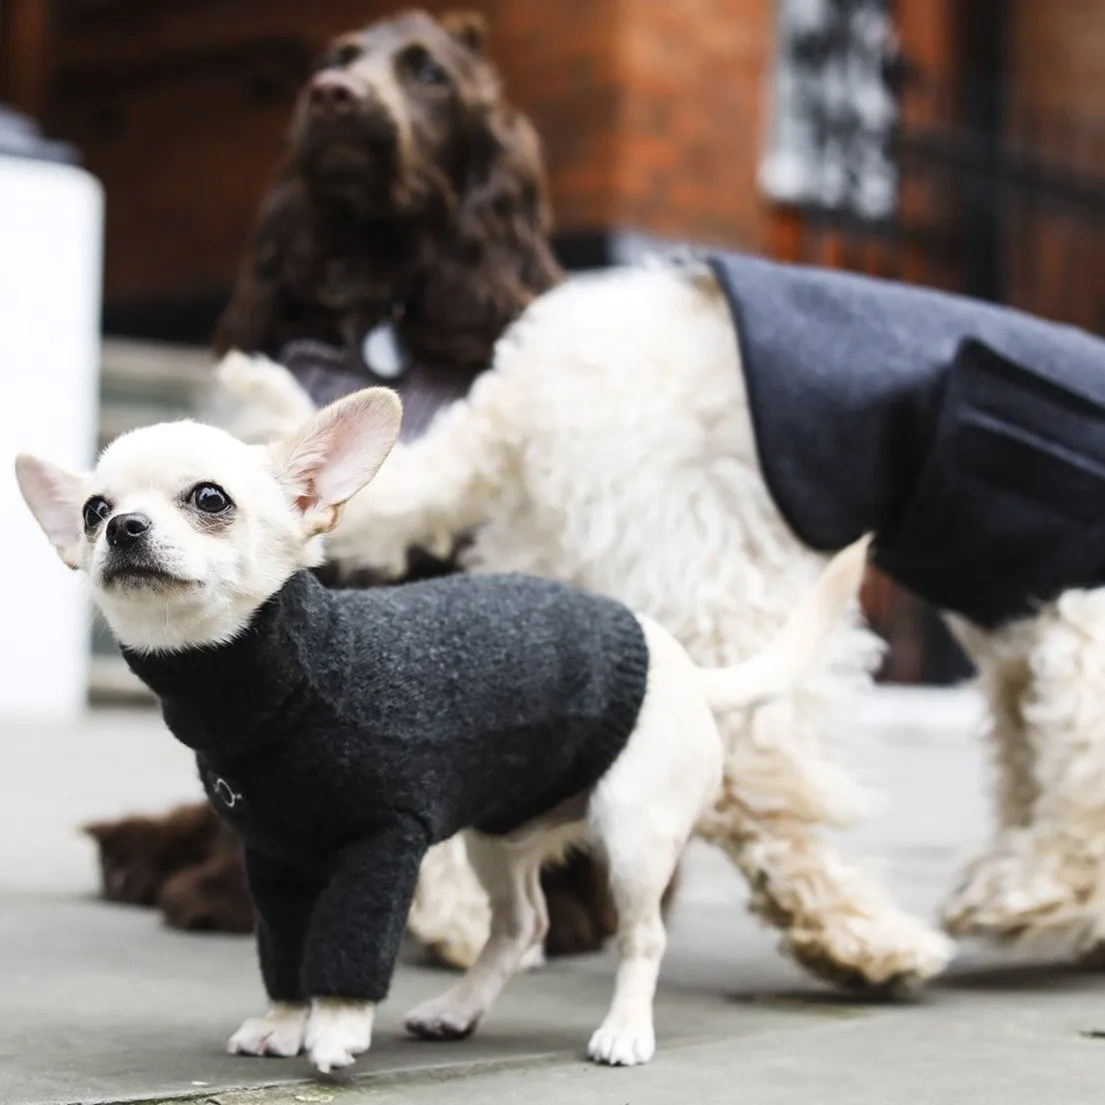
[284, 898]
[354, 936]
[435, 490]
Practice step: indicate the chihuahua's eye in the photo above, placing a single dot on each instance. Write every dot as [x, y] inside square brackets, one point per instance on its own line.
[210, 498]
[425, 70]
[95, 511]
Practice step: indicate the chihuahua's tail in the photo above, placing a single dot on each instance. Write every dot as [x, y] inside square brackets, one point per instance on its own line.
[779, 668]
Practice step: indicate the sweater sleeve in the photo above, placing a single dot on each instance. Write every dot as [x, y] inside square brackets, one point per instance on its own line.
[359, 919]
[284, 898]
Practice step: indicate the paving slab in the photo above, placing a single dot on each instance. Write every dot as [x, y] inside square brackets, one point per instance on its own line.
[102, 1004]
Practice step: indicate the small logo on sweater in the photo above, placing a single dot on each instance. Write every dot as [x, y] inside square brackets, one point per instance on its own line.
[225, 793]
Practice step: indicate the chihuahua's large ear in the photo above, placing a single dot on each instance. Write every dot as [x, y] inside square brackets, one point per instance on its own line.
[338, 451]
[54, 496]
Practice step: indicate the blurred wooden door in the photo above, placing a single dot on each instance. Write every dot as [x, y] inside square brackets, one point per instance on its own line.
[24, 42]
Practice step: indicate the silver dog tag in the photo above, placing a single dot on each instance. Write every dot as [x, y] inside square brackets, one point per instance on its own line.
[382, 352]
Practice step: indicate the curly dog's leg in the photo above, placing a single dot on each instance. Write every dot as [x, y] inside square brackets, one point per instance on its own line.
[436, 489]
[835, 920]
[450, 915]
[976, 906]
[1046, 884]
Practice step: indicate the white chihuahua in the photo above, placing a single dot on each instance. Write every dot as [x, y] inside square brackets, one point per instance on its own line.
[341, 734]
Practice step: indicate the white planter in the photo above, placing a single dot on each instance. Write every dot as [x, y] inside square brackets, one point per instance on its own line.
[51, 238]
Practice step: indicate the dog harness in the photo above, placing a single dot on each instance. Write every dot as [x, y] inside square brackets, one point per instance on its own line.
[969, 438]
[344, 732]
[327, 372]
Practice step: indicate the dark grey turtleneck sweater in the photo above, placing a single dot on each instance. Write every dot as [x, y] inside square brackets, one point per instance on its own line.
[344, 732]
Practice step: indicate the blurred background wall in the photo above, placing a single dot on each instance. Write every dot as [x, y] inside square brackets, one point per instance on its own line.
[957, 143]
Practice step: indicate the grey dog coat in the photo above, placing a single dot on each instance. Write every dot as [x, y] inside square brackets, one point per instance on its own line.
[344, 732]
[969, 438]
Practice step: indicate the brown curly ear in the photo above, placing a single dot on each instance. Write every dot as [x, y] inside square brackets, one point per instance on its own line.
[257, 315]
[468, 28]
[506, 207]
[498, 257]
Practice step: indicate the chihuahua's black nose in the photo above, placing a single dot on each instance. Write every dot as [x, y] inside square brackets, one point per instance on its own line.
[126, 530]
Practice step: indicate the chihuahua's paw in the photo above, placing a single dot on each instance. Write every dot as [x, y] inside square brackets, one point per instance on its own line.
[338, 1031]
[448, 1017]
[278, 1033]
[623, 1043]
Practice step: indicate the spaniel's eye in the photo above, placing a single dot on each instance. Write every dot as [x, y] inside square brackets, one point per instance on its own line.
[95, 511]
[343, 55]
[209, 498]
[425, 70]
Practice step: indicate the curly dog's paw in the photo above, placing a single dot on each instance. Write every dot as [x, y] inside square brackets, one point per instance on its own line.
[888, 954]
[267, 401]
[1030, 890]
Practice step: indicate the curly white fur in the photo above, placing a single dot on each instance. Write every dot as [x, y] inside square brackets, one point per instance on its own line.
[1041, 880]
[610, 446]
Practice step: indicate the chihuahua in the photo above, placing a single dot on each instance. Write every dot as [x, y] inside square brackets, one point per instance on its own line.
[341, 734]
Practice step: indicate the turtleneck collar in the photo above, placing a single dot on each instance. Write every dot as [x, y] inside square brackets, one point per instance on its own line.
[230, 699]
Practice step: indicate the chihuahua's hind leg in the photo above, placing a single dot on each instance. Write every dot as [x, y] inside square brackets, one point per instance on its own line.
[511, 874]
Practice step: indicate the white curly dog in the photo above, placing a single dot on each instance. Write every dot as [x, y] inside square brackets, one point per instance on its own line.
[611, 446]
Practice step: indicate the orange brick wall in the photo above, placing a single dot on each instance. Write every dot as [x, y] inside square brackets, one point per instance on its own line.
[652, 111]
[558, 62]
[691, 126]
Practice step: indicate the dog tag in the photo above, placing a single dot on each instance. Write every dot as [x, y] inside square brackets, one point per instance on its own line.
[382, 352]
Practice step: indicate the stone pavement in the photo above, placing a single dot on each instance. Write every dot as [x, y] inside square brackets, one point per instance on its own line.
[102, 1004]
